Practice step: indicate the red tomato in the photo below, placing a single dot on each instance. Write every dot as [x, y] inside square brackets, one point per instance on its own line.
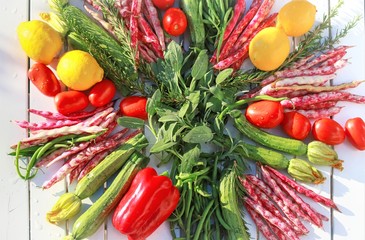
[102, 93]
[265, 114]
[355, 131]
[70, 101]
[328, 131]
[174, 21]
[134, 106]
[44, 79]
[296, 125]
[163, 4]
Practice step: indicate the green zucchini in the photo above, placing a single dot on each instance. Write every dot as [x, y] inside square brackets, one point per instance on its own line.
[288, 145]
[194, 13]
[112, 163]
[263, 155]
[90, 221]
[231, 211]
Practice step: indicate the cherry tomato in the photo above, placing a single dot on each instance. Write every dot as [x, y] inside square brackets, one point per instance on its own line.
[296, 125]
[328, 131]
[102, 93]
[70, 101]
[355, 131]
[174, 21]
[134, 106]
[44, 79]
[265, 114]
[163, 4]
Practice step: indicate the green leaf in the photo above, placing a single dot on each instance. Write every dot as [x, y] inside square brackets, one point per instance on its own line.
[153, 102]
[200, 66]
[189, 159]
[214, 104]
[200, 134]
[223, 75]
[174, 56]
[217, 92]
[130, 122]
[184, 109]
[161, 146]
[169, 118]
[194, 98]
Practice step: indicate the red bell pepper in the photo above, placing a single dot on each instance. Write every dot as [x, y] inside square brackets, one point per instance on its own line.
[149, 201]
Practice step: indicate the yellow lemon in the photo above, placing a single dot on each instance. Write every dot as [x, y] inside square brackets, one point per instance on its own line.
[39, 40]
[79, 70]
[296, 17]
[269, 49]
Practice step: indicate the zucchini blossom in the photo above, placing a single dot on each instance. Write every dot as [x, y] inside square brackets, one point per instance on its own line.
[302, 170]
[322, 154]
[67, 206]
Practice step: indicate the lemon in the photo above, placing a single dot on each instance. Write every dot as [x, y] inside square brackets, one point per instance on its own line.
[269, 49]
[79, 70]
[39, 40]
[296, 17]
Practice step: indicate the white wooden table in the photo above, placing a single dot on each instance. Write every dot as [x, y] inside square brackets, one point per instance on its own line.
[23, 204]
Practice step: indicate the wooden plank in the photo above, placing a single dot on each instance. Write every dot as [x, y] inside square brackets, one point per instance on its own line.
[13, 104]
[349, 185]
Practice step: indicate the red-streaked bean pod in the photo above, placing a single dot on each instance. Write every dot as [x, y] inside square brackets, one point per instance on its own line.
[241, 52]
[82, 157]
[265, 201]
[147, 53]
[73, 175]
[333, 53]
[46, 125]
[262, 186]
[314, 215]
[72, 116]
[283, 196]
[261, 224]
[228, 44]
[238, 11]
[93, 163]
[133, 24]
[315, 98]
[289, 73]
[47, 135]
[317, 89]
[355, 98]
[96, 119]
[268, 22]
[320, 113]
[259, 17]
[303, 190]
[317, 106]
[47, 159]
[293, 204]
[304, 80]
[155, 22]
[147, 31]
[268, 216]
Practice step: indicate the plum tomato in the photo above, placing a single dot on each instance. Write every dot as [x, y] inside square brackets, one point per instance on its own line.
[355, 132]
[44, 79]
[174, 21]
[102, 93]
[163, 4]
[296, 125]
[328, 131]
[70, 101]
[265, 114]
[134, 106]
